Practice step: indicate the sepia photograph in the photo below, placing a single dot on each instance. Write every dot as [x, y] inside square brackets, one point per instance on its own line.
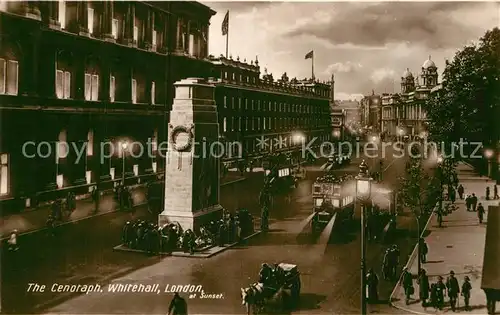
[249, 157]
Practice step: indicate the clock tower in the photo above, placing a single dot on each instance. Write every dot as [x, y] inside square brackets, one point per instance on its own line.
[193, 157]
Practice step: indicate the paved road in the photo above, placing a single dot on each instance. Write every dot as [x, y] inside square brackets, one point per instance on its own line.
[82, 254]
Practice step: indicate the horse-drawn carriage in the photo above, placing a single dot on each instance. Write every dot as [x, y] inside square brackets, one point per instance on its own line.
[281, 291]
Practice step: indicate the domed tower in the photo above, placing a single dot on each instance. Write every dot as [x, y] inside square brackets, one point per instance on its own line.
[429, 73]
[407, 82]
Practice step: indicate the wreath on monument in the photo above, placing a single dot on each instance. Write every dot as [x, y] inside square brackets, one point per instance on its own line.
[180, 130]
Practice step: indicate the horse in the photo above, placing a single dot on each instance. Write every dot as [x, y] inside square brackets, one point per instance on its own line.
[257, 296]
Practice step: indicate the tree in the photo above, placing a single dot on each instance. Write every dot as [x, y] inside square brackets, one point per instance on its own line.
[415, 192]
[468, 104]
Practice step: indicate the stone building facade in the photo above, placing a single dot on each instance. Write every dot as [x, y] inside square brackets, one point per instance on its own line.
[403, 113]
[87, 87]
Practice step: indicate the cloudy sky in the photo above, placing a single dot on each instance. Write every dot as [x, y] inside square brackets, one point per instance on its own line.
[367, 45]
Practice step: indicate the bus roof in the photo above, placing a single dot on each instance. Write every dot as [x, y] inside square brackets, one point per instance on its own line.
[333, 179]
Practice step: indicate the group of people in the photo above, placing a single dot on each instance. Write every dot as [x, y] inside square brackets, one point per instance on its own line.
[271, 276]
[390, 262]
[59, 207]
[123, 196]
[495, 193]
[434, 294]
[142, 235]
[151, 238]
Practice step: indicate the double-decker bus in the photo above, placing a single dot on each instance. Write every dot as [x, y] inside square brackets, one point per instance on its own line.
[332, 194]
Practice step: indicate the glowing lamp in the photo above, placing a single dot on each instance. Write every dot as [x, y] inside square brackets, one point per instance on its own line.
[488, 153]
[60, 181]
[363, 182]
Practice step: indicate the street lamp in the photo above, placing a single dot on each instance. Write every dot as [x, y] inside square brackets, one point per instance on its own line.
[363, 192]
[489, 154]
[124, 147]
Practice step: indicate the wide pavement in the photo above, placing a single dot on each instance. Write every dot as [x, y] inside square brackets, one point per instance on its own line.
[82, 254]
[457, 246]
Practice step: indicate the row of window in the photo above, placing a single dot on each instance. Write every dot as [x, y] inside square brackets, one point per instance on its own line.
[195, 43]
[413, 112]
[270, 123]
[238, 103]
[9, 80]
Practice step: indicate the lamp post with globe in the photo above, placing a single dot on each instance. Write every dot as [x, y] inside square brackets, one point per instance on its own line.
[124, 146]
[363, 192]
[488, 154]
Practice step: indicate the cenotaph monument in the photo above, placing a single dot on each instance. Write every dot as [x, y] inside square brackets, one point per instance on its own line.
[193, 157]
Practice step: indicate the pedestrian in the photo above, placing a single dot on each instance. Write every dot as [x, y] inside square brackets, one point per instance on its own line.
[440, 293]
[491, 300]
[372, 282]
[453, 195]
[461, 191]
[424, 249]
[487, 193]
[474, 202]
[468, 202]
[423, 286]
[178, 305]
[12, 242]
[386, 264]
[480, 213]
[466, 288]
[95, 198]
[51, 225]
[264, 223]
[407, 281]
[394, 262]
[453, 289]
[495, 192]
[433, 296]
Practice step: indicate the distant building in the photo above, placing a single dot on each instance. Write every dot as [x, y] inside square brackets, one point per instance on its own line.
[402, 113]
[371, 112]
[279, 112]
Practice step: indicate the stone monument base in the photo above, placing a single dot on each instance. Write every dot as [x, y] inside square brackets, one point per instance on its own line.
[192, 221]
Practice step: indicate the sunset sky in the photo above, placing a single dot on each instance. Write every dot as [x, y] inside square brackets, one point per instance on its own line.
[367, 45]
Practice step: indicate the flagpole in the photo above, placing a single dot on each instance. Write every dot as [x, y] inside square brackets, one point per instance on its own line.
[312, 65]
[227, 41]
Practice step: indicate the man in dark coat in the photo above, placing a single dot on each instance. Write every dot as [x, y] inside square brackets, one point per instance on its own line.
[491, 300]
[178, 306]
[480, 213]
[423, 285]
[461, 191]
[407, 281]
[487, 193]
[439, 293]
[495, 192]
[372, 283]
[126, 233]
[386, 268]
[453, 196]
[474, 202]
[466, 288]
[265, 274]
[423, 250]
[468, 202]
[453, 289]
